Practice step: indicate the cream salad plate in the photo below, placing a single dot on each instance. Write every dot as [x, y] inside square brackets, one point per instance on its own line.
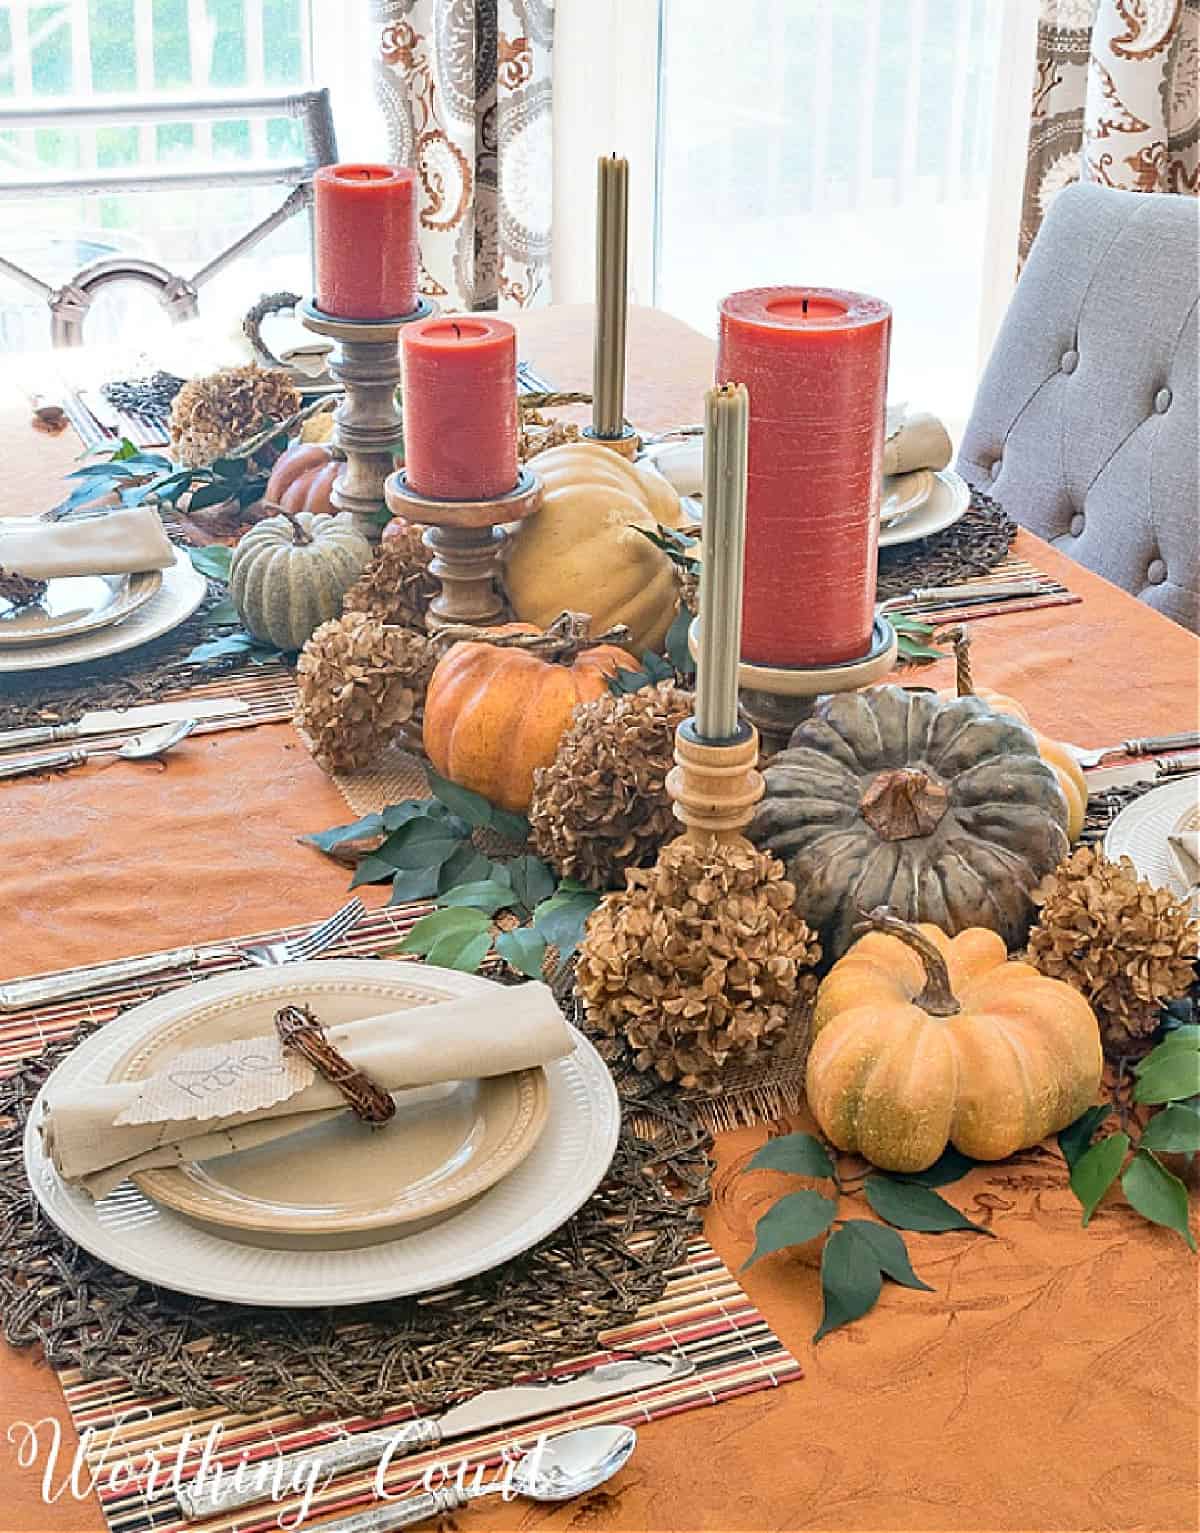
[76, 604]
[465, 1176]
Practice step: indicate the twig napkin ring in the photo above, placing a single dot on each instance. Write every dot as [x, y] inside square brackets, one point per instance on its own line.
[299, 1029]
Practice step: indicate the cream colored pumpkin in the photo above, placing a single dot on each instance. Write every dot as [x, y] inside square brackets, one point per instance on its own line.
[584, 552]
[289, 574]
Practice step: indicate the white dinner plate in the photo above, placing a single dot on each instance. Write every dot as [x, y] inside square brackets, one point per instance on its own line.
[1141, 829]
[182, 590]
[76, 604]
[903, 494]
[135, 1235]
[949, 501]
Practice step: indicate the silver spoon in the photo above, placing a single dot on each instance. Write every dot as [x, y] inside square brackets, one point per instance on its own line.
[150, 743]
[557, 1469]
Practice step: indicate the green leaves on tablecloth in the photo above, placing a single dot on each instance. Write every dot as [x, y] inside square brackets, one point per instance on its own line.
[915, 640]
[511, 906]
[859, 1253]
[1169, 1076]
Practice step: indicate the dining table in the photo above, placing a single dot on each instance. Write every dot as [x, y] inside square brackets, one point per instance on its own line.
[1047, 1381]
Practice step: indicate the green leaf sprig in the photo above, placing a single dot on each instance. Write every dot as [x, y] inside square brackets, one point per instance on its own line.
[1168, 1077]
[915, 640]
[427, 853]
[859, 1253]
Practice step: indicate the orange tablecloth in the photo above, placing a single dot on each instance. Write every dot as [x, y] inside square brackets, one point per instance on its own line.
[1050, 1380]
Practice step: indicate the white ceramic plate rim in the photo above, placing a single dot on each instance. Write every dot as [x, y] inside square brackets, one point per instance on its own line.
[135, 591]
[949, 502]
[552, 1183]
[182, 591]
[1141, 829]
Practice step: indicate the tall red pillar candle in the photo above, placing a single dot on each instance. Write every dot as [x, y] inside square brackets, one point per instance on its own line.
[815, 362]
[460, 407]
[366, 236]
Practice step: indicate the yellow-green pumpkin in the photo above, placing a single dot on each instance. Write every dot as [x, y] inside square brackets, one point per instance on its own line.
[921, 1040]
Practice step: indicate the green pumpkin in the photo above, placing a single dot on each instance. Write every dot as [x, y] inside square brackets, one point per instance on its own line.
[289, 574]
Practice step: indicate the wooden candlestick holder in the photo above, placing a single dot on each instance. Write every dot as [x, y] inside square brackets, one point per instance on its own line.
[714, 783]
[628, 444]
[775, 699]
[466, 538]
[368, 426]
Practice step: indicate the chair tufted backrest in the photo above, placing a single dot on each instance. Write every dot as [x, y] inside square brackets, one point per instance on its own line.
[1085, 423]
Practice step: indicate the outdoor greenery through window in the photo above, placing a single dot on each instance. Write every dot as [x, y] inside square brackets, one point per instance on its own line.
[89, 50]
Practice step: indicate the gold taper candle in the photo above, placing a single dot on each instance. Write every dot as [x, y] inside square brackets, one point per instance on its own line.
[726, 430]
[612, 233]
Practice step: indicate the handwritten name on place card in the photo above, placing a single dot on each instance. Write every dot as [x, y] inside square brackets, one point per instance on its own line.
[219, 1080]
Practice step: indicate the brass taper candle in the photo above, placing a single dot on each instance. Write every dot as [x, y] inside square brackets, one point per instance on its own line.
[726, 431]
[612, 231]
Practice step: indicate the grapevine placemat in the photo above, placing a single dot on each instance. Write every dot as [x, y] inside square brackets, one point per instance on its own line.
[702, 1313]
[631, 1263]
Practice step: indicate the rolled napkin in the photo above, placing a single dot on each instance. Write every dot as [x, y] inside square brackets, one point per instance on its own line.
[920, 441]
[1185, 850]
[118, 543]
[232, 1096]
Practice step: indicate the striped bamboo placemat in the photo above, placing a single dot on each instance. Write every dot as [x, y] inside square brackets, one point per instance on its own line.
[703, 1313]
[1048, 592]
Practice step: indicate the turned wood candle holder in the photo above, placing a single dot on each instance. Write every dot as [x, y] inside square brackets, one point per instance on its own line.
[715, 783]
[466, 537]
[628, 444]
[775, 699]
[368, 426]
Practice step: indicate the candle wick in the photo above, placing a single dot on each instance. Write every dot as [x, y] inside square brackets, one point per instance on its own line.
[457, 331]
[804, 305]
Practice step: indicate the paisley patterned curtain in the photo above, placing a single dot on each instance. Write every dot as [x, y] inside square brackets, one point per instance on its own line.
[465, 87]
[1116, 100]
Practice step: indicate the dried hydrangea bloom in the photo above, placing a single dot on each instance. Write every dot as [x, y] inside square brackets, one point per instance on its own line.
[396, 587]
[602, 805]
[1120, 941]
[701, 962]
[358, 684]
[211, 416]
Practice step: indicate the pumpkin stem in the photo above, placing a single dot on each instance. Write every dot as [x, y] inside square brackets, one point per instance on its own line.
[936, 998]
[903, 802]
[964, 685]
[300, 535]
[566, 638]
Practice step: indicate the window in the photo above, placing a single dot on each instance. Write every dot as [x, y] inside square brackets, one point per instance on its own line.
[868, 144]
[98, 51]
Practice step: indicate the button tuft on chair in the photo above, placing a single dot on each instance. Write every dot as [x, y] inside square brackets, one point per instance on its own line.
[1156, 572]
[1069, 360]
[996, 467]
[1162, 401]
[1077, 525]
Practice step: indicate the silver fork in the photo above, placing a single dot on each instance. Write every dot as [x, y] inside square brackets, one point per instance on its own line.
[86, 981]
[297, 949]
[1150, 747]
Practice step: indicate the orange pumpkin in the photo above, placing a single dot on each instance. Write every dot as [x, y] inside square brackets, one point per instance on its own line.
[303, 478]
[496, 712]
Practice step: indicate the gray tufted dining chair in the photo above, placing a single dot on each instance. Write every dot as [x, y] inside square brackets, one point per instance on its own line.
[1085, 423]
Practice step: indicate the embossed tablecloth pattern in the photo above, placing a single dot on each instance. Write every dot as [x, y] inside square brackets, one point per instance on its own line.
[1049, 1382]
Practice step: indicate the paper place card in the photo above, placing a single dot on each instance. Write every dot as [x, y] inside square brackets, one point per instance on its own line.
[219, 1080]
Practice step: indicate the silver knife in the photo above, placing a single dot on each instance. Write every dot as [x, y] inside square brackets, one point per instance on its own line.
[493, 1408]
[107, 721]
[967, 592]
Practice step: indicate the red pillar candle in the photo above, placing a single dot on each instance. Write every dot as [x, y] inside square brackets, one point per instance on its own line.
[366, 236]
[814, 361]
[460, 407]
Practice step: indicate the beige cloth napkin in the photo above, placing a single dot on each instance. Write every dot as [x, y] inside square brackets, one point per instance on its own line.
[920, 442]
[1185, 849]
[512, 1028]
[119, 543]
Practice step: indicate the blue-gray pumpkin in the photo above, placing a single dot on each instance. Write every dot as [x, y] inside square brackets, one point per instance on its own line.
[289, 574]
